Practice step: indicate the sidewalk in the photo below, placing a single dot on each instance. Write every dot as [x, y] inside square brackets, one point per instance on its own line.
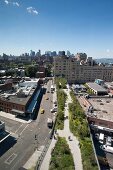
[12, 117]
[47, 158]
[73, 143]
[33, 159]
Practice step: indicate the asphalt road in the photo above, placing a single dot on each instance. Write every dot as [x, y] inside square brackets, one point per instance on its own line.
[14, 154]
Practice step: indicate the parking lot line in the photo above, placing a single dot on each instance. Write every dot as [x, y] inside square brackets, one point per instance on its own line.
[24, 129]
[11, 159]
[18, 128]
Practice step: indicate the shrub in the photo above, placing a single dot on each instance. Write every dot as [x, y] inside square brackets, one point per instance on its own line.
[61, 98]
[61, 157]
[79, 127]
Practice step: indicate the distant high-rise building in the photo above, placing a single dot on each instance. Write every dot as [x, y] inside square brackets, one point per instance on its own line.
[48, 53]
[81, 56]
[61, 53]
[68, 53]
[5, 57]
[38, 54]
[54, 53]
[32, 53]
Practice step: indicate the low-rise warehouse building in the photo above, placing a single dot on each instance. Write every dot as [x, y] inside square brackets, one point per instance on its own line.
[22, 100]
[97, 89]
[101, 113]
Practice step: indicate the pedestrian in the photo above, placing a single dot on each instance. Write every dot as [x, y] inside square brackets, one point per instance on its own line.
[68, 137]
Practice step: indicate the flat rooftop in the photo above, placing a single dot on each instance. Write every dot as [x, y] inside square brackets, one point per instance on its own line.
[22, 93]
[103, 108]
[96, 87]
[15, 99]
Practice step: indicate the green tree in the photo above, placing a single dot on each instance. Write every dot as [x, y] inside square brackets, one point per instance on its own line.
[31, 71]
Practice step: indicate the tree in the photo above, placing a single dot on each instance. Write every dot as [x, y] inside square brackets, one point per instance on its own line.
[31, 71]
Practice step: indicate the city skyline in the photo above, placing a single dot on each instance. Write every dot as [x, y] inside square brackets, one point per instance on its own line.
[76, 26]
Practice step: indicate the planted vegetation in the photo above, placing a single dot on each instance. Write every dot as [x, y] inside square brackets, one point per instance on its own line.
[60, 83]
[61, 157]
[79, 127]
[61, 99]
[89, 91]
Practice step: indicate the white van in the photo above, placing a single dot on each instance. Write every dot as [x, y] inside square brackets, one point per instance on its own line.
[101, 138]
[107, 148]
[54, 110]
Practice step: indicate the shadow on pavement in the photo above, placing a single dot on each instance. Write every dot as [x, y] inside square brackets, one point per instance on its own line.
[7, 144]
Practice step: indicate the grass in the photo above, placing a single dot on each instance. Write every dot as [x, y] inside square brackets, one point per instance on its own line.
[79, 127]
[61, 157]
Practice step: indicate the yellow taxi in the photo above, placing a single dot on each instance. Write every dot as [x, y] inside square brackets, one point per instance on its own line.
[42, 111]
[47, 98]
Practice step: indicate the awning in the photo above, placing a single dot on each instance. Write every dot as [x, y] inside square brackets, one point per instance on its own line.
[17, 112]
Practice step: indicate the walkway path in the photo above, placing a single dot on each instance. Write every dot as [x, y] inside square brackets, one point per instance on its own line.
[73, 143]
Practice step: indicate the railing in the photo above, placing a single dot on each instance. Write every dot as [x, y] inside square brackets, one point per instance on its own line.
[45, 148]
[38, 165]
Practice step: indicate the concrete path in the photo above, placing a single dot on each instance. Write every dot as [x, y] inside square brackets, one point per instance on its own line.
[33, 159]
[73, 143]
[47, 158]
[12, 117]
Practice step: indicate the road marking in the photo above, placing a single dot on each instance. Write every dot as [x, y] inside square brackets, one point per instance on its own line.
[18, 128]
[11, 159]
[45, 138]
[24, 129]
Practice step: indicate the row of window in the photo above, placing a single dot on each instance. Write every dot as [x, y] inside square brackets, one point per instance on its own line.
[11, 106]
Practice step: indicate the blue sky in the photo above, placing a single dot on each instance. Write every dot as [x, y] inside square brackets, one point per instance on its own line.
[75, 25]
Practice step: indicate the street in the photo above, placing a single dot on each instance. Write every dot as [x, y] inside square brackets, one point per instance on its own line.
[15, 153]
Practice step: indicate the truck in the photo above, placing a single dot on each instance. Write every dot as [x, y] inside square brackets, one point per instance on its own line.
[49, 123]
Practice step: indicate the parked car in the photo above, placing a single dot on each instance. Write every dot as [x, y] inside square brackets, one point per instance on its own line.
[42, 111]
[54, 110]
[107, 148]
[108, 141]
[49, 123]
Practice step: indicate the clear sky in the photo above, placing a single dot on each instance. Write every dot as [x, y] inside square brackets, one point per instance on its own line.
[75, 25]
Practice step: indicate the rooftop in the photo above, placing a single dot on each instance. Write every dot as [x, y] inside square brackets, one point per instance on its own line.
[103, 108]
[96, 87]
[22, 92]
